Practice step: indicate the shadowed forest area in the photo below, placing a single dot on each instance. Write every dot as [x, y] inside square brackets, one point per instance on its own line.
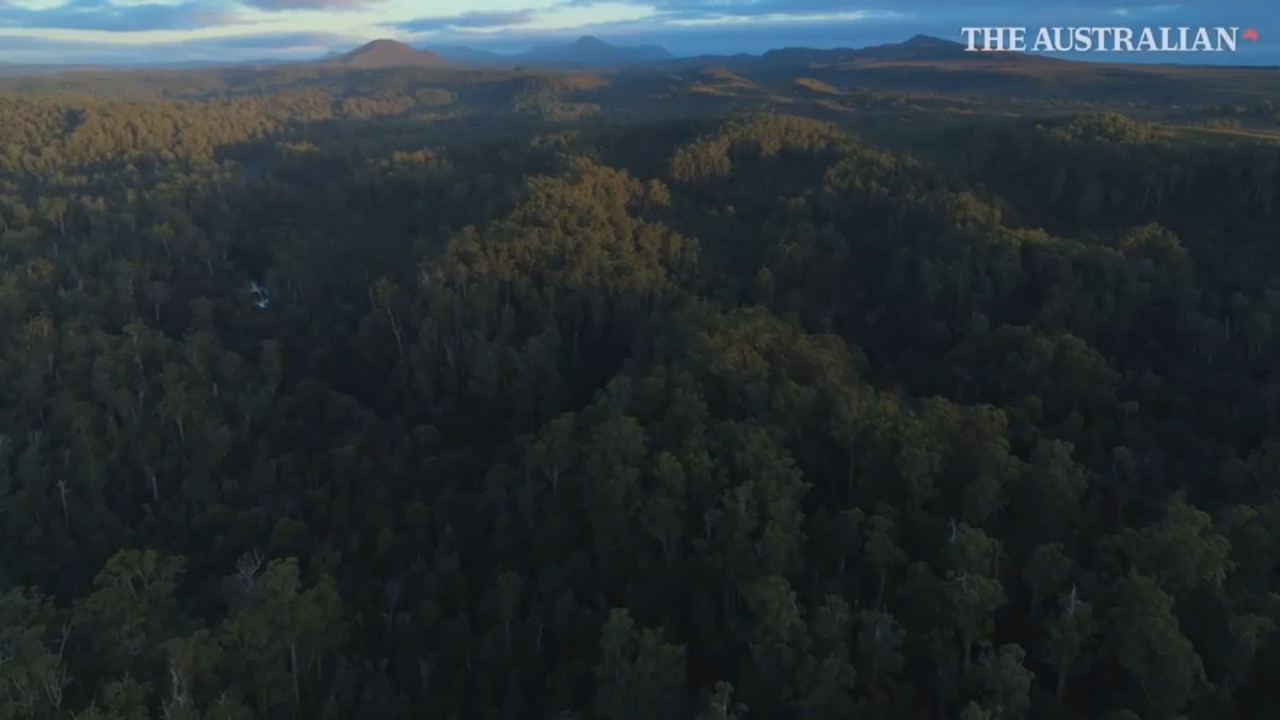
[327, 405]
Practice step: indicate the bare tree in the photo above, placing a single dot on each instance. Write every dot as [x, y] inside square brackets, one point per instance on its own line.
[55, 677]
[247, 567]
[180, 697]
[63, 489]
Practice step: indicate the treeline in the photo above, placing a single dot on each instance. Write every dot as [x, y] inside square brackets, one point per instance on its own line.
[752, 420]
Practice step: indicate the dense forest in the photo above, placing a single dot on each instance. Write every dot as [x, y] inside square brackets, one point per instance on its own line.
[313, 409]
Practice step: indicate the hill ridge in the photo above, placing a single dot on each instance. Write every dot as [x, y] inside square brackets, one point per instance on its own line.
[386, 53]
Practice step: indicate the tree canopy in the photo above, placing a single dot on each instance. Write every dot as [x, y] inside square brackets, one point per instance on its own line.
[317, 414]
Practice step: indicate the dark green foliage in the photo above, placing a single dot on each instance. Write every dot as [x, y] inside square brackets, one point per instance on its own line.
[309, 415]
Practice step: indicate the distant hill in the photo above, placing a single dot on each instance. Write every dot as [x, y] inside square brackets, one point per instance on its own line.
[928, 49]
[33, 70]
[386, 54]
[488, 82]
[594, 51]
[30, 70]
[586, 51]
[920, 48]
[461, 53]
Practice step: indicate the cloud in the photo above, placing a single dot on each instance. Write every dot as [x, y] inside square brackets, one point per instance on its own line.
[279, 41]
[1098, 12]
[236, 48]
[288, 5]
[774, 7]
[798, 7]
[102, 15]
[898, 19]
[470, 21]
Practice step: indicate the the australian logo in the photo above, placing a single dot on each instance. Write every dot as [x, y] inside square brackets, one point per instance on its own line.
[1105, 39]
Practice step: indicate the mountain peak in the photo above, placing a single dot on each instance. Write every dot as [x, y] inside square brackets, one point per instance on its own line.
[382, 47]
[591, 50]
[928, 40]
[386, 53]
[919, 48]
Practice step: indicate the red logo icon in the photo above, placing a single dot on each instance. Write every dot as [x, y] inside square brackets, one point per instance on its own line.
[1251, 35]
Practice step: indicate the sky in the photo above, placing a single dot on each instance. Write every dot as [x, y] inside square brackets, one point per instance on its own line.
[179, 31]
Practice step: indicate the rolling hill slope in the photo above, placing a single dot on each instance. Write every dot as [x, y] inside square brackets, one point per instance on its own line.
[921, 65]
[386, 54]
